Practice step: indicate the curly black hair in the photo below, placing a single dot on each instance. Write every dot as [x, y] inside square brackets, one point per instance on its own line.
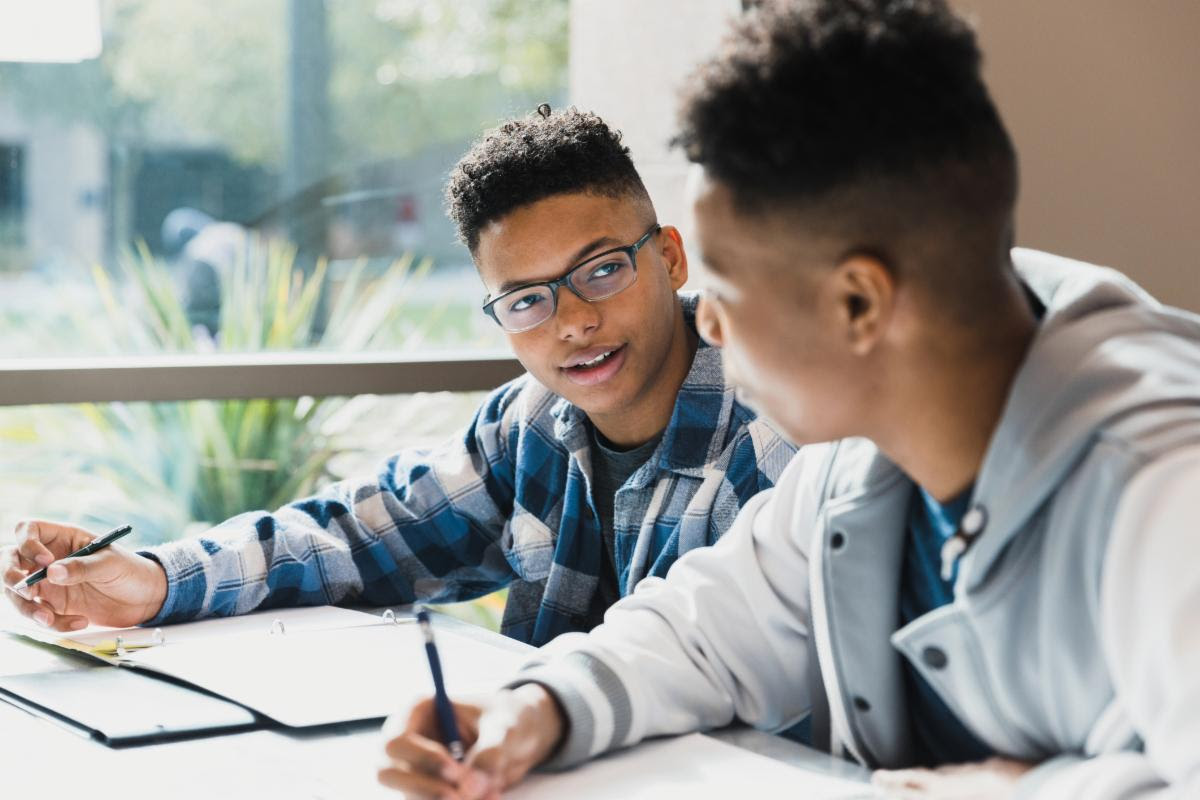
[534, 157]
[809, 98]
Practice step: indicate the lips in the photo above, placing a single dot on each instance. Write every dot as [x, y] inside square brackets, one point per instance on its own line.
[592, 354]
[594, 365]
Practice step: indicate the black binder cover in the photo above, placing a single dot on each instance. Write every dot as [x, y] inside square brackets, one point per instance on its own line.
[121, 707]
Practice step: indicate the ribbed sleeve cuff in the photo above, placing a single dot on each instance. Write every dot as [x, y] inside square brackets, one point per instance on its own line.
[596, 703]
[187, 583]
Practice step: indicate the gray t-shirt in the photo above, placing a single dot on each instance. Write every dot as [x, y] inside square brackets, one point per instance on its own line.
[610, 469]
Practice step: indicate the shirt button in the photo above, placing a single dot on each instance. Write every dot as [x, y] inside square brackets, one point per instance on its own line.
[974, 521]
[934, 657]
[837, 541]
[861, 704]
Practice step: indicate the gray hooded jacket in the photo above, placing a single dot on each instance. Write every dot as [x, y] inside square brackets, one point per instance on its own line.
[1074, 636]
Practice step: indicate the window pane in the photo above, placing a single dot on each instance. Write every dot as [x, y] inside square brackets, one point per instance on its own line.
[171, 469]
[218, 152]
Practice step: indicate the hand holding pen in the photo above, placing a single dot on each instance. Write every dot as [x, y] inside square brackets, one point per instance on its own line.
[505, 735]
[64, 578]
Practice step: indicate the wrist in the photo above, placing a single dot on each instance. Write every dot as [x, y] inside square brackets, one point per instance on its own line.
[156, 581]
[548, 718]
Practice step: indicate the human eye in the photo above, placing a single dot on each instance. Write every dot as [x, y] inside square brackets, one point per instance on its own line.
[605, 270]
[523, 301]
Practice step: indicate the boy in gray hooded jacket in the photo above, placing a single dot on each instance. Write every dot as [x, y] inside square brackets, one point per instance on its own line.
[986, 585]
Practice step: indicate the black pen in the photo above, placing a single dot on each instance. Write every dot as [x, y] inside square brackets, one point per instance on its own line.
[96, 544]
[441, 701]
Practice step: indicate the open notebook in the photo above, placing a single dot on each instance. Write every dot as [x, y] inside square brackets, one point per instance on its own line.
[299, 666]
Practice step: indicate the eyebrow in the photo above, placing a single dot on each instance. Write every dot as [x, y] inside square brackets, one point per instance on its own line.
[574, 261]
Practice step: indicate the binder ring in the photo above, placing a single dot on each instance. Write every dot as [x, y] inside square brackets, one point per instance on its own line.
[121, 651]
[390, 616]
[277, 627]
[160, 637]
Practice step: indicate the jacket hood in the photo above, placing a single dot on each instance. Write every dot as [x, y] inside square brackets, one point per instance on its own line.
[1104, 350]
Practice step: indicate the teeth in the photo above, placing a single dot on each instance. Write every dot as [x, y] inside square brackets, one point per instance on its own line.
[596, 360]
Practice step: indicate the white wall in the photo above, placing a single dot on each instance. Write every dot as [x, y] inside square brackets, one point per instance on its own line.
[628, 59]
[1102, 98]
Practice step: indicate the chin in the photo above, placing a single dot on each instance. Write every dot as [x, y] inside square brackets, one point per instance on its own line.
[600, 402]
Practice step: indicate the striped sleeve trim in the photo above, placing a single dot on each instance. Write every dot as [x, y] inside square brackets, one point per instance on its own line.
[595, 701]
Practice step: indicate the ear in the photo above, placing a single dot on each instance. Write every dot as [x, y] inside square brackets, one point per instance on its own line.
[674, 256]
[864, 297]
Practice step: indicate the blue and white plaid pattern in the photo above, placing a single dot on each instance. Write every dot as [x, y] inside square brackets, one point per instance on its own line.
[508, 503]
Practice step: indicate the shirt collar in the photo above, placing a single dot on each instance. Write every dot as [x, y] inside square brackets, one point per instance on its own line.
[695, 435]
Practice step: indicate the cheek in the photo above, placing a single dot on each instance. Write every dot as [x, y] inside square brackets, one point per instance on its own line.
[750, 349]
[531, 350]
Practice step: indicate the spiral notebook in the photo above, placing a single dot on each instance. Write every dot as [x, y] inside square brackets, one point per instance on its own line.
[301, 666]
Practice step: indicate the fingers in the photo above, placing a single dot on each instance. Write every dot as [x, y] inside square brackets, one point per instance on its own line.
[44, 615]
[415, 785]
[14, 570]
[904, 784]
[421, 766]
[97, 568]
[30, 551]
[424, 755]
[40, 542]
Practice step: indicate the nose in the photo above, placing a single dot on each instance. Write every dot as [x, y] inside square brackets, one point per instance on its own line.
[708, 325]
[575, 317]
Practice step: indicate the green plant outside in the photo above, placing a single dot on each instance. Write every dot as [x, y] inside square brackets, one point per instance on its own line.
[173, 469]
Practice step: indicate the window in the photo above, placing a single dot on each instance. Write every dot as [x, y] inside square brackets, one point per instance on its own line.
[212, 142]
[227, 178]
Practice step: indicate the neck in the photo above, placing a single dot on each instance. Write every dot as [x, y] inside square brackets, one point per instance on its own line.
[652, 409]
[939, 434]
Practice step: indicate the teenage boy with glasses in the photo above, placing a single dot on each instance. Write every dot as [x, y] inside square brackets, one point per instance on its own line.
[619, 450]
[986, 584]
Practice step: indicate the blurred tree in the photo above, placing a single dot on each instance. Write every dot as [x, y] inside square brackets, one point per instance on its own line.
[405, 73]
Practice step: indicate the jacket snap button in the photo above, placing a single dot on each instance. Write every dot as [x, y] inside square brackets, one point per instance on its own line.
[861, 704]
[974, 521]
[934, 657]
[837, 541]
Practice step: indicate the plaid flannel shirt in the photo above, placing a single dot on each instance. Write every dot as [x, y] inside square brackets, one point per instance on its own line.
[507, 503]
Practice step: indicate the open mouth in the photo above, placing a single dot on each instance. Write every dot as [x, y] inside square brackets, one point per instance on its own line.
[597, 369]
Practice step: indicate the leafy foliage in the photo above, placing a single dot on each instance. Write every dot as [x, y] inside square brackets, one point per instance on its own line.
[199, 462]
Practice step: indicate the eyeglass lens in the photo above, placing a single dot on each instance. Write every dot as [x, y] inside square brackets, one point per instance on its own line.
[597, 280]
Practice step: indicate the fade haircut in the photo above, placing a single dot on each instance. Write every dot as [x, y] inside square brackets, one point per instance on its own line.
[531, 158]
[871, 120]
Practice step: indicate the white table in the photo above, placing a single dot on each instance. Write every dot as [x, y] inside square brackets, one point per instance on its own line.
[39, 758]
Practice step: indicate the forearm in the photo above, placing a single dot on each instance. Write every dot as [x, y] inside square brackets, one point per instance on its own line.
[257, 558]
[1152, 648]
[1117, 776]
[324, 551]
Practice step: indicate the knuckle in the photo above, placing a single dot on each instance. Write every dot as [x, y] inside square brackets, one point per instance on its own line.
[395, 748]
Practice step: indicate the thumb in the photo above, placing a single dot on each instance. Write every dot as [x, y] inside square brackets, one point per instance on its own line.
[487, 760]
[96, 568]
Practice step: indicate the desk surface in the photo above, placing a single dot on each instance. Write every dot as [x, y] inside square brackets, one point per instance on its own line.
[42, 759]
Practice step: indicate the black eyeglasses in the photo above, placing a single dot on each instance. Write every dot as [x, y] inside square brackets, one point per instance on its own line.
[597, 278]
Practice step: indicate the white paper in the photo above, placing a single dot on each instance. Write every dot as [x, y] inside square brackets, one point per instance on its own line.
[318, 677]
[692, 766]
[294, 620]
